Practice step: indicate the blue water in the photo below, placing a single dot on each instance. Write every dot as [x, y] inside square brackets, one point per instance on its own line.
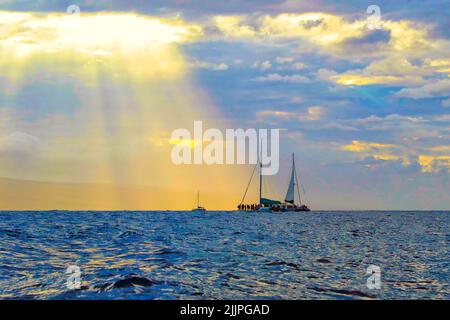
[222, 255]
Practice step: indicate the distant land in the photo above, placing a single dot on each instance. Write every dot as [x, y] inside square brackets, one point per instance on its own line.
[35, 195]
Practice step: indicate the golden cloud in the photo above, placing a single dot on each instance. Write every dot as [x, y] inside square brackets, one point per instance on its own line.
[233, 26]
[400, 42]
[276, 113]
[312, 113]
[386, 157]
[26, 33]
[434, 164]
[329, 30]
[362, 146]
[118, 43]
[440, 149]
[391, 70]
[440, 65]
[378, 151]
[363, 80]
[319, 28]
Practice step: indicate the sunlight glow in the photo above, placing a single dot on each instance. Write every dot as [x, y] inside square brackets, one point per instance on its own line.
[100, 85]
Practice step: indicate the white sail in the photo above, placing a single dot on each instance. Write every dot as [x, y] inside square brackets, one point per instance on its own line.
[290, 195]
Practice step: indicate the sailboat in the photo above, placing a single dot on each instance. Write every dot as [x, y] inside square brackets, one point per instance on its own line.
[199, 209]
[290, 194]
[268, 205]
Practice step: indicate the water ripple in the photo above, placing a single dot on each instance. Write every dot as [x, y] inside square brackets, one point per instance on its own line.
[221, 255]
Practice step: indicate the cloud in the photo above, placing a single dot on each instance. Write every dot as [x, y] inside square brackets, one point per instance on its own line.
[397, 66]
[440, 65]
[364, 80]
[396, 118]
[315, 113]
[299, 66]
[284, 60]
[94, 42]
[19, 144]
[336, 34]
[377, 151]
[389, 71]
[362, 146]
[319, 28]
[288, 63]
[440, 149]
[264, 66]
[29, 33]
[209, 65]
[372, 38]
[275, 77]
[234, 26]
[397, 55]
[312, 113]
[325, 74]
[434, 164]
[432, 89]
[276, 114]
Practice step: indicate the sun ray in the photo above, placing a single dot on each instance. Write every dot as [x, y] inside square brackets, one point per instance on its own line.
[130, 88]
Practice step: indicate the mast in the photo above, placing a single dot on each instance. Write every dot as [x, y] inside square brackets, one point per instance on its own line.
[260, 174]
[296, 180]
[294, 173]
[198, 198]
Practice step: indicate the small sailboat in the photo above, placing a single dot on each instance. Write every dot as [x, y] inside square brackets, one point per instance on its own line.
[199, 209]
[268, 205]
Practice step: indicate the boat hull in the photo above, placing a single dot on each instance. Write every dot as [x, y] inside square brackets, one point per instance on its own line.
[302, 208]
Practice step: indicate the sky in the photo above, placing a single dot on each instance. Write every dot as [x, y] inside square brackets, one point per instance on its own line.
[88, 101]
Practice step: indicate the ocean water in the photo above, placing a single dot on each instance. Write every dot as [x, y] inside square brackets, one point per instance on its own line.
[224, 255]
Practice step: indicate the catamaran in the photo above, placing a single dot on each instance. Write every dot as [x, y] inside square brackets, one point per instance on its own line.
[199, 209]
[268, 205]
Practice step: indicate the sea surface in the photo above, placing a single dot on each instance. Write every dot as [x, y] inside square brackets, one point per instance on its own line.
[223, 255]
